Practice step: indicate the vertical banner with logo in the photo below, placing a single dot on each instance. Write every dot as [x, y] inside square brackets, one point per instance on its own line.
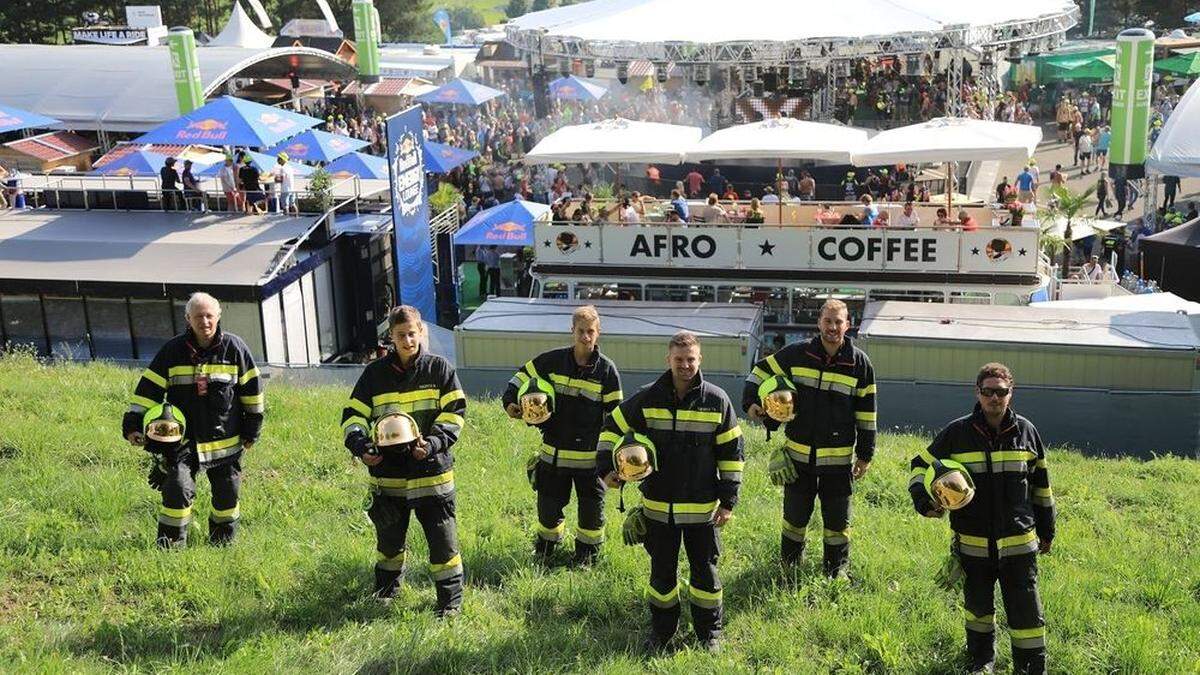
[366, 39]
[1132, 77]
[410, 212]
[441, 18]
[189, 91]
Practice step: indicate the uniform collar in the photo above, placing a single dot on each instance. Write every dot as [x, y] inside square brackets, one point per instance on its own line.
[593, 358]
[194, 344]
[979, 420]
[844, 354]
[394, 360]
[667, 384]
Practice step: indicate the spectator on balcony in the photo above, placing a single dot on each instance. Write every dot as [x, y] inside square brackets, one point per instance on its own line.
[755, 215]
[192, 193]
[285, 176]
[967, 221]
[712, 212]
[695, 180]
[908, 216]
[628, 215]
[827, 216]
[806, 187]
[227, 177]
[679, 205]
[716, 183]
[870, 211]
[730, 194]
[769, 196]
[168, 177]
[248, 176]
[943, 218]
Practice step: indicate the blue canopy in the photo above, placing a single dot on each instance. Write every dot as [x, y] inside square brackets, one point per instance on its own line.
[507, 224]
[232, 121]
[263, 162]
[441, 158]
[14, 119]
[461, 92]
[136, 163]
[1194, 17]
[359, 164]
[572, 88]
[317, 146]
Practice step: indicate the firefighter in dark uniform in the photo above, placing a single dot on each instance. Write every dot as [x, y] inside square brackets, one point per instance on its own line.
[1000, 532]
[586, 386]
[419, 478]
[692, 492]
[210, 377]
[830, 442]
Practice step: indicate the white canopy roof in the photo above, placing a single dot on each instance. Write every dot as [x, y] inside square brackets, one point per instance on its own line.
[948, 139]
[616, 140]
[782, 138]
[715, 21]
[1081, 228]
[1177, 150]
[241, 32]
[1142, 302]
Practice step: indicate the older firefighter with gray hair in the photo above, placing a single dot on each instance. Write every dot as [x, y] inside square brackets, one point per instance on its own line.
[207, 377]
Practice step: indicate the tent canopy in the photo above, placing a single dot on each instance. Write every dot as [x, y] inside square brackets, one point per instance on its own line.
[241, 32]
[572, 88]
[949, 140]
[460, 92]
[359, 164]
[317, 146]
[507, 224]
[137, 163]
[1142, 302]
[15, 119]
[1185, 65]
[1177, 150]
[232, 121]
[615, 140]
[1088, 68]
[442, 158]
[782, 138]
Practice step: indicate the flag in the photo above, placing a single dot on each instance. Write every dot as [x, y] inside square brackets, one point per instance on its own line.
[442, 18]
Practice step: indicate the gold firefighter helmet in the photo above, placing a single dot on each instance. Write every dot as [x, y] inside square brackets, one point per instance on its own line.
[949, 484]
[537, 400]
[164, 423]
[396, 430]
[635, 458]
[778, 396]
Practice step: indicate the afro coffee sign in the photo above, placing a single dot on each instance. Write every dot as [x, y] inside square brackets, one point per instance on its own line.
[410, 215]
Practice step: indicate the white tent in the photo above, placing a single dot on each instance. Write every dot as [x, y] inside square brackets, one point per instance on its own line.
[1142, 302]
[615, 140]
[782, 138]
[241, 32]
[948, 139]
[1082, 228]
[1177, 150]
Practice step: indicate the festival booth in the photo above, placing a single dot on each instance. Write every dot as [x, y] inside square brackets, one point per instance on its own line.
[1172, 258]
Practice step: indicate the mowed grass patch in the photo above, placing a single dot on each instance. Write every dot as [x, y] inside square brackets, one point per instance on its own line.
[82, 588]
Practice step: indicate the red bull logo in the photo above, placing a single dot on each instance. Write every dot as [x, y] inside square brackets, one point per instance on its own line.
[448, 95]
[208, 124]
[567, 90]
[296, 150]
[207, 129]
[507, 231]
[123, 171]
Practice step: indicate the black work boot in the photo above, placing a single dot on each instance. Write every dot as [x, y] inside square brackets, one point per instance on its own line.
[543, 551]
[386, 583]
[586, 555]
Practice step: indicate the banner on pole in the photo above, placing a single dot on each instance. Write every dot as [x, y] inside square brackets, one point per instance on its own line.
[366, 39]
[189, 91]
[1132, 77]
[410, 213]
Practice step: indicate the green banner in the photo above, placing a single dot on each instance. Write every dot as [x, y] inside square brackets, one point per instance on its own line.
[1132, 77]
[366, 39]
[189, 90]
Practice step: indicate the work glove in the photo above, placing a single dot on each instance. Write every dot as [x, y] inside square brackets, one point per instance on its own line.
[950, 575]
[157, 475]
[633, 531]
[531, 467]
[360, 445]
[781, 469]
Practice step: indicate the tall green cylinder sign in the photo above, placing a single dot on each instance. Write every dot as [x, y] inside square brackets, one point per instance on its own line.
[189, 91]
[366, 36]
[1132, 78]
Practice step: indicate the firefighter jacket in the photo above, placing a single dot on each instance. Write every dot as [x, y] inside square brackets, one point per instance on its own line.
[582, 396]
[1013, 504]
[698, 447]
[218, 389]
[835, 404]
[429, 391]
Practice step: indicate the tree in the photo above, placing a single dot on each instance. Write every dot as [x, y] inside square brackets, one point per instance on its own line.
[516, 8]
[1067, 206]
[539, 5]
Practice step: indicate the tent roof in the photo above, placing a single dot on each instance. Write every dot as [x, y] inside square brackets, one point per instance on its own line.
[615, 140]
[1177, 150]
[782, 138]
[1187, 234]
[240, 31]
[151, 247]
[1146, 302]
[950, 140]
[131, 88]
[621, 317]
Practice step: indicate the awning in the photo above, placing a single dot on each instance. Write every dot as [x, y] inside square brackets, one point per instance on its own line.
[615, 140]
[950, 140]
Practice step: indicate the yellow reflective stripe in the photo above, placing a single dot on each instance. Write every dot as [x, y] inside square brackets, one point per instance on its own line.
[405, 397]
[1025, 633]
[788, 527]
[656, 414]
[774, 365]
[154, 377]
[679, 507]
[522, 377]
[143, 401]
[361, 421]
[248, 375]
[256, 399]
[1016, 540]
[450, 418]
[698, 416]
[806, 372]
[865, 416]
[1041, 464]
[668, 597]
[227, 513]
[451, 396]
[730, 465]
[362, 408]
[449, 564]
[531, 369]
[847, 380]
[204, 369]
[760, 373]
[175, 513]
[610, 437]
[570, 454]
[728, 435]
[866, 391]
[844, 451]
[1043, 492]
[971, 540]
[612, 396]
[213, 446]
[619, 419]
[399, 483]
[924, 456]
[1013, 456]
[429, 481]
[578, 384]
[703, 594]
[968, 457]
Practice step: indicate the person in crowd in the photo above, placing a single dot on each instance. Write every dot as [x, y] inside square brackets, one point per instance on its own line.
[248, 176]
[679, 206]
[755, 215]
[1103, 191]
[806, 187]
[908, 218]
[192, 192]
[628, 215]
[966, 221]
[712, 212]
[285, 178]
[769, 196]
[228, 179]
[869, 212]
[827, 216]
[1026, 185]
[168, 178]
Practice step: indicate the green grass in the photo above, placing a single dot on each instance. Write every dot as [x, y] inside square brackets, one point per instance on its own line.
[83, 589]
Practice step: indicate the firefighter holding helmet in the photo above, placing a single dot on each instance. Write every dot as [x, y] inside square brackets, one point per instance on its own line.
[988, 469]
[566, 393]
[405, 414]
[679, 438]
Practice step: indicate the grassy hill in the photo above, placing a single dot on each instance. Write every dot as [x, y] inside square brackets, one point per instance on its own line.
[83, 589]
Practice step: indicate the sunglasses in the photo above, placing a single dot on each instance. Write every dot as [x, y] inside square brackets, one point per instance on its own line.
[998, 392]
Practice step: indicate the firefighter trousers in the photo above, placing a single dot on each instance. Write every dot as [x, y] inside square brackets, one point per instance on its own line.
[703, 546]
[553, 495]
[799, 498]
[179, 491]
[391, 516]
[1019, 590]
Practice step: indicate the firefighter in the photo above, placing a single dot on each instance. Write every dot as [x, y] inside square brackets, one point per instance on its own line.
[410, 475]
[208, 375]
[999, 533]
[584, 386]
[831, 439]
[692, 430]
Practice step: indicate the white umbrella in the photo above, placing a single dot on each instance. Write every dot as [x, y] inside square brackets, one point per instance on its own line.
[781, 138]
[615, 140]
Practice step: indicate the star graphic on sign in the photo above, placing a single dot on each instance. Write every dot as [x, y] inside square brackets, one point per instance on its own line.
[766, 247]
[546, 243]
[1021, 252]
[975, 251]
[587, 244]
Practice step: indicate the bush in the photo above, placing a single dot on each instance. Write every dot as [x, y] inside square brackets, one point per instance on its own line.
[446, 197]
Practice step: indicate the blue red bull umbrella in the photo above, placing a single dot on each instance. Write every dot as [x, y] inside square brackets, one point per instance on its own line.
[441, 158]
[15, 119]
[359, 164]
[507, 224]
[232, 121]
[318, 146]
[572, 88]
[263, 162]
[460, 92]
[136, 163]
